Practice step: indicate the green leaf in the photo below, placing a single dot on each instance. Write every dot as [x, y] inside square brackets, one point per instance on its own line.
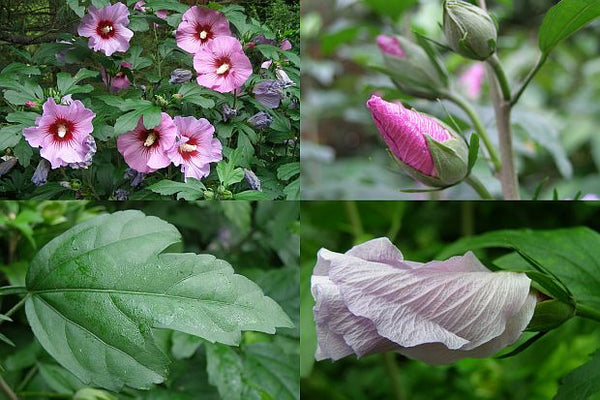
[151, 113]
[288, 171]
[225, 370]
[135, 57]
[6, 340]
[570, 256]
[59, 379]
[74, 5]
[67, 84]
[391, 9]
[194, 94]
[227, 171]
[273, 372]
[192, 190]
[292, 191]
[251, 195]
[564, 19]
[473, 150]
[23, 152]
[582, 382]
[22, 117]
[10, 136]
[98, 291]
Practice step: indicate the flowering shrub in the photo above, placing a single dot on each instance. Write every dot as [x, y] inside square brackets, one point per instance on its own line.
[151, 99]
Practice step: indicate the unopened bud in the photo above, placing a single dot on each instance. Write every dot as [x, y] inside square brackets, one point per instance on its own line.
[469, 30]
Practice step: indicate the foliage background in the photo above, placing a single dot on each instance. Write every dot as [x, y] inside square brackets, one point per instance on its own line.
[554, 124]
[260, 240]
[421, 230]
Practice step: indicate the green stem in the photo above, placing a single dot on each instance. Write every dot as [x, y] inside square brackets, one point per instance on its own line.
[158, 60]
[14, 309]
[30, 374]
[494, 61]
[6, 290]
[478, 126]
[7, 390]
[354, 217]
[394, 374]
[587, 312]
[536, 68]
[478, 187]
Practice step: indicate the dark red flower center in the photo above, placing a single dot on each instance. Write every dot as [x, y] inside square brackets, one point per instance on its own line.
[62, 130]
[204, 33]
[105, 29]
[189, 149]
[150, 138]
[223, 66]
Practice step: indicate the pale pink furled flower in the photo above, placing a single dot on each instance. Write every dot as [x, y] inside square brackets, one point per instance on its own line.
[145, 150]
[107, 28]
[404, 132]
[371, 300]
[62, 133]
[472, 80]
[390, 45]
[30, 104]
[140, 6]
[199, 26]
[285, 45]
[222, 65]
[196, 148]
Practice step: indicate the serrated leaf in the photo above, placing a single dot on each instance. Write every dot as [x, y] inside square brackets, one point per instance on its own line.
[564, 19]
[273, 372]
[582, 382]
[98, 291]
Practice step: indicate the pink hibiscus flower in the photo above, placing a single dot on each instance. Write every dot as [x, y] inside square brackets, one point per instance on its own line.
[222, 65]
[145, 150]
[196, 147]
[199, 26]
[118, 82]
[62, 132]
[106, 28]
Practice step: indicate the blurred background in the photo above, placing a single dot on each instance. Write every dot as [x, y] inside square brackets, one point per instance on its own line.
[421, 230]
[554, 125]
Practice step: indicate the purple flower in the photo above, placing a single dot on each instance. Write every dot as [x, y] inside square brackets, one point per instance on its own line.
[269, 93]
[371, 300]
[121, 195]
[260, 120]
[252, 180]
[62, 132]
[180, 75]
[40, 176]
[228, 112]
[7, 165]
[107, 28]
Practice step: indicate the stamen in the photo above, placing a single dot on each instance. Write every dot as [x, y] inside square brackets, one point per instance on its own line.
[106, 29]
[203, 35]
[150, 139]
[187, 148]
[61, 130]
[223, 68]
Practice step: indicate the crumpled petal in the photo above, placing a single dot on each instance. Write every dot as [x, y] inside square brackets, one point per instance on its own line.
[437, 312]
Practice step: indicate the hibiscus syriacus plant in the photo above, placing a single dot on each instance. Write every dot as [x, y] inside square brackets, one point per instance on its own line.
[152, 98]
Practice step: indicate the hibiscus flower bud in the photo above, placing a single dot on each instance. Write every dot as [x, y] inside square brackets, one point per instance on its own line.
[550, 314]
[470, 30]
[260, 120]
[180, 75]
[410, 68]
[425, 148]
[370, 300]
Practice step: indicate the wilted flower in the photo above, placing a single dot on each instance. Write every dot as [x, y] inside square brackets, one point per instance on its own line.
[228, 112]
[90, 148]
[472, 80]
[371, 300]
[66, 100]
[121, 195]
[145, 150]
[107, 28]
[180, 75]
[252, 180]
[62, 132]
[411, 69]
[222, 65]
[7, 165]
[137, 179]
[260, 120]
[427, 149]
[269, 93]
[196, 148]
[40, 175]
[199, 26]
[283, 78]
[469, 30]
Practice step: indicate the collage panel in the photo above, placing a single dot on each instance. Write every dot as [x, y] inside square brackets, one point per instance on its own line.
[450, 100]
[450, 300]
[149, 300]
[150, 100]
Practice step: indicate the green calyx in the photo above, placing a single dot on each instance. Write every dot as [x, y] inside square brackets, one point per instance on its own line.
[469, 30]
[550, 314]
[415, 74]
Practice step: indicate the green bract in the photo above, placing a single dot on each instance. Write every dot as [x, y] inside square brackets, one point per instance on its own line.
[415, 74]
[469, 30]
[98, 291]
